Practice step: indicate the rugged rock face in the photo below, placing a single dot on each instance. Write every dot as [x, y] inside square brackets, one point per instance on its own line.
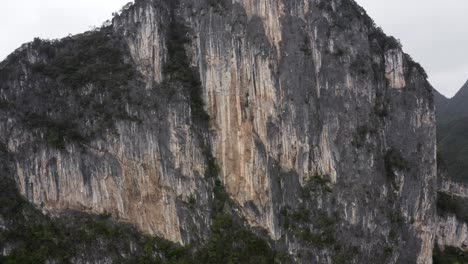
[452, 228]
[452, 232]
[321, 129]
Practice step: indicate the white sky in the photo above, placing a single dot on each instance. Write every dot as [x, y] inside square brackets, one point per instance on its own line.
[22, 20]
[433, 32]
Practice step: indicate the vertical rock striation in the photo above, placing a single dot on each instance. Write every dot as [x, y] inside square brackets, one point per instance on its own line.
[316, 120]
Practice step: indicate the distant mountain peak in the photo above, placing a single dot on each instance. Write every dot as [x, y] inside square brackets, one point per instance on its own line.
[463, 91]
[449, 110]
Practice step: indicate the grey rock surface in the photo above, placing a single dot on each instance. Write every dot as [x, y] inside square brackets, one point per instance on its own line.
[321, 127]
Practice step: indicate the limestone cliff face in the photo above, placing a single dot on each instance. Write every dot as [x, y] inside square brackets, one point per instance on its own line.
[142, 173]
[452, 232]
[292, 107]
[452, 226]
[314, 114]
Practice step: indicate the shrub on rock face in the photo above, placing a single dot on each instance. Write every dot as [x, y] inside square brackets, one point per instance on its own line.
[79, 87]
[217, 5]
[381, 107]
[394, 162]
[179, 72]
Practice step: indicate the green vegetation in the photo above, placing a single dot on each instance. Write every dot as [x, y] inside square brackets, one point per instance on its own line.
[92, 58]
[231, 241]
[344, 256]
[350, 11]
[38, 238]
[82, 85]
[381, 42]
[388, 251]
[394, 162]
[325, 5]
[326, 225]
[339, 52]
[323, 234]
[312, 225]
[305, 47]
[79, 88]
[413, 64]
[449, 255]
[218, 5]
[316, 228]
[177, 70]
[192, 201]
[360, 138]
[393, 234]
[345, 14]
[301, 215]
[381, 107]
[316, 182]
[452, 204]
[55, 138]
[361, 65]
[212, 169]
[397, 219]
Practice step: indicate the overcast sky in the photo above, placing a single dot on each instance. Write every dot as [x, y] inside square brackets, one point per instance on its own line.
[433, 32]
[22, 20]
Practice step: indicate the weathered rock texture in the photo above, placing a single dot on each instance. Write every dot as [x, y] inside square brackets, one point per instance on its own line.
[452, 232]
[452, 228]
[322, 129]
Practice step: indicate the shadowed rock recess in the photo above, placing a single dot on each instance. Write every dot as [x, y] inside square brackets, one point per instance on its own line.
[219, 131]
